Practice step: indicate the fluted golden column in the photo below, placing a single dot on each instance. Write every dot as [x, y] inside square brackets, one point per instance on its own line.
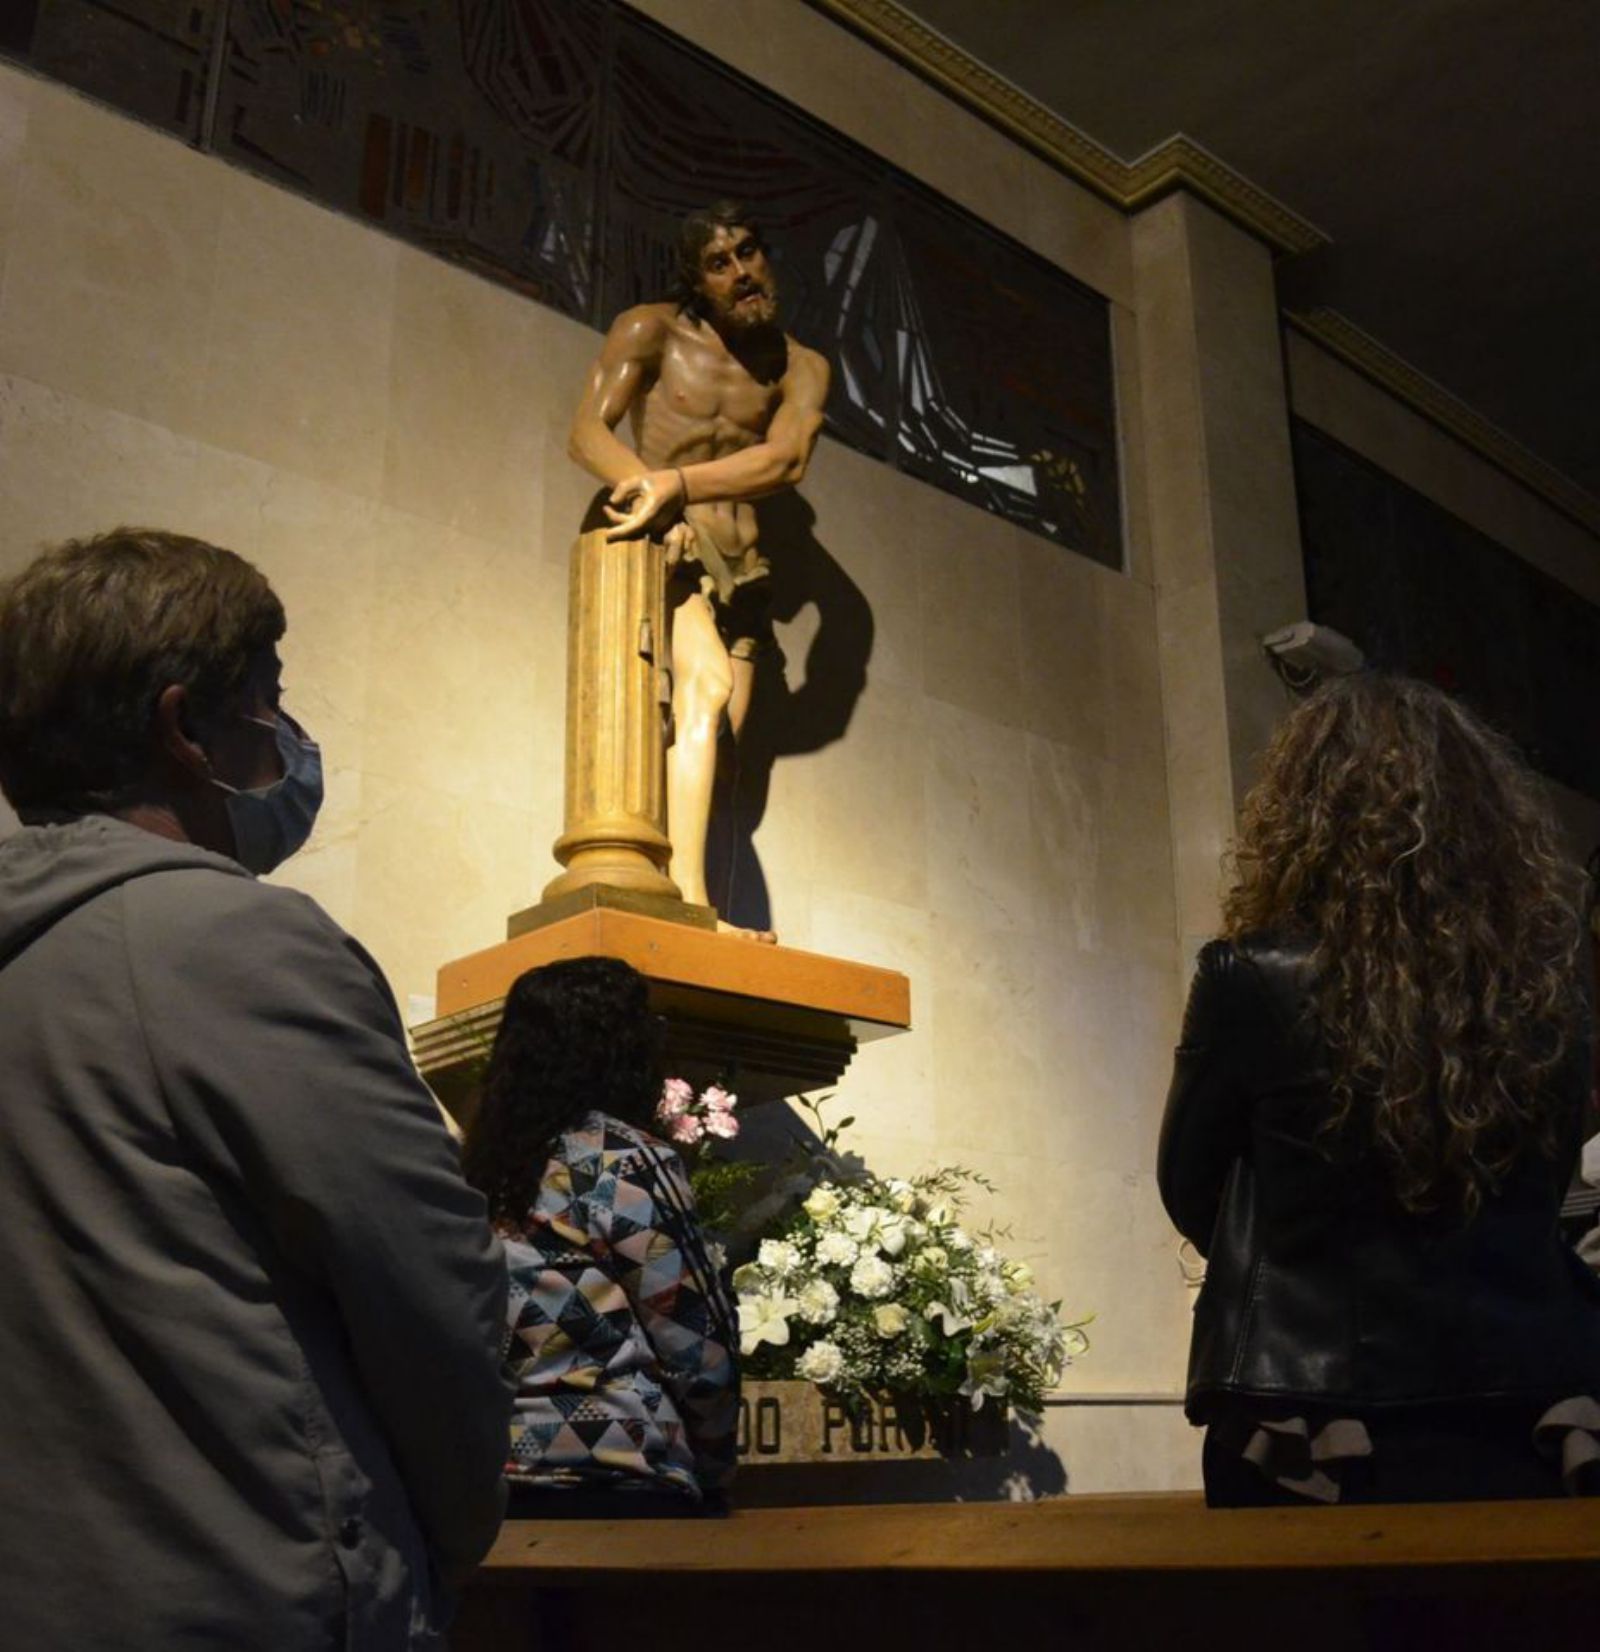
[615, 827]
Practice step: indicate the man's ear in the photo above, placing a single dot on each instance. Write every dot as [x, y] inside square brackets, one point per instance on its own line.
[173, 731]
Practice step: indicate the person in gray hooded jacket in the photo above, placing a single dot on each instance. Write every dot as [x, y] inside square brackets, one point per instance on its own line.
[250, 1395]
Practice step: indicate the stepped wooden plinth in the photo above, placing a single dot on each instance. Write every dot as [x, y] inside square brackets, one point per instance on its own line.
[775, 1020]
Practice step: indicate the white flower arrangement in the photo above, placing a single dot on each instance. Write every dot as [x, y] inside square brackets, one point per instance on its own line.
[872, 1285]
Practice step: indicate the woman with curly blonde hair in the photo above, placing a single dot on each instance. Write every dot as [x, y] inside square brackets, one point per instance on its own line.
[1376, 1110]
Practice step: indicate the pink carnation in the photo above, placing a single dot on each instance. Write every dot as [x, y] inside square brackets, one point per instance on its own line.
[721, 1122]
[677, 1097]
[718, 1099]
[685, 1128]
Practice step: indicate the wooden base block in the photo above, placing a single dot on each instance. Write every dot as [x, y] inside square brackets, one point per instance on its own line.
[773, 1019]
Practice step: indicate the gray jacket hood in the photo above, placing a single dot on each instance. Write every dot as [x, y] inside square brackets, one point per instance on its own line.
[48, 871]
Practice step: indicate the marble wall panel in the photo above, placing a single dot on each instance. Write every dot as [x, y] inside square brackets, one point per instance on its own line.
[889, 1086]
[1100, 1241]
[70, 466]
[112, 249]
[1065, 645]
[16, 95]
[470, 401]
[1068, 831]
[1121, 1448]
[1106, 1030]
[437, 874]
[870, 813]
[299, 381]
[971, 591]
[1135, 698]
[986, 1043]
[460, 691]
[981, 876]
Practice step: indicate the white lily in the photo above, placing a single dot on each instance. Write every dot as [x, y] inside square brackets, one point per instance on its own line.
[764, 1318]
[949, 1320]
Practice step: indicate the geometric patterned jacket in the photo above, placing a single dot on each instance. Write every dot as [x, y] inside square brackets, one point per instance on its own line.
[620, 1333]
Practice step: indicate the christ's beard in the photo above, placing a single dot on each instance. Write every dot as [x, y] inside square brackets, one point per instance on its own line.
[749, 311]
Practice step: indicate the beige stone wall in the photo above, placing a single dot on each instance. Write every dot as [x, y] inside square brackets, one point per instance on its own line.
[184, 345]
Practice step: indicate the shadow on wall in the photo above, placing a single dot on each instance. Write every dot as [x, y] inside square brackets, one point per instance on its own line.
[785, 720]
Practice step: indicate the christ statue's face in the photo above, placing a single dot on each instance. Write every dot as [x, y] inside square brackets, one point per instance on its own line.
[736, 281]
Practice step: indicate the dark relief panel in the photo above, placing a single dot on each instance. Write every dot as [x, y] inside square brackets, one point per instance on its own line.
[470, 129]
[1424, 593]
[552, 145]
[150, 58]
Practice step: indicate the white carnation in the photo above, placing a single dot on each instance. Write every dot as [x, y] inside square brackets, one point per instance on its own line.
[872, 1276]
[821, 1362]
[837, 1249]
[819, 1301]
[778, 1257]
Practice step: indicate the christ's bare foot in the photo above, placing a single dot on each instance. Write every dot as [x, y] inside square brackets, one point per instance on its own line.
[766, 937]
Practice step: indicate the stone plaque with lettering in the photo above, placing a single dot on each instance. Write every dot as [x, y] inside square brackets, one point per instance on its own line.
[796, 1422]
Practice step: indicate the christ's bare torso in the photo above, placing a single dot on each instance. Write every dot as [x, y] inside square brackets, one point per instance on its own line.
[705, 403]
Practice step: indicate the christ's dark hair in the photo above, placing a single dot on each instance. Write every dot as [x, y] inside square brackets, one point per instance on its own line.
[693, 234]
[576, 1036]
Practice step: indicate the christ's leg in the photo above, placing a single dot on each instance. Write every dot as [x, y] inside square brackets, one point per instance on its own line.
[703, 684]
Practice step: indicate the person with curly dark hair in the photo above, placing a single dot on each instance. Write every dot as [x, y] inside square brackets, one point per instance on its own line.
[1375, 1114]
[623, 1343]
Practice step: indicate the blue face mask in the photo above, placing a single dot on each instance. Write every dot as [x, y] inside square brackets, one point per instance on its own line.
[271, 822]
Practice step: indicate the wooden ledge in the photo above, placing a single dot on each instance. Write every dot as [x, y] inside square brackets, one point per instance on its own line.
[1106, 1535]
[683, 956]
[779, 1020]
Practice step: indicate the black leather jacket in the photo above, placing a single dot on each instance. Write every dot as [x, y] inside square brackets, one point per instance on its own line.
[1319, 1287]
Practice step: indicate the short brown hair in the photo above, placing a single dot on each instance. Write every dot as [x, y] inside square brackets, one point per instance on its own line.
[92, 631]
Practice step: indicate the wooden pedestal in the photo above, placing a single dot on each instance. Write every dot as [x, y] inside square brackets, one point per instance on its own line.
[776, 1020]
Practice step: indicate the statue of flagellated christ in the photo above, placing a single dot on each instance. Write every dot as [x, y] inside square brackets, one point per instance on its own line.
[724, 408]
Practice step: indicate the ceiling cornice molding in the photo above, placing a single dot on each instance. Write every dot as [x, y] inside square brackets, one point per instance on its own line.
[1340, 337]
[1178, 163]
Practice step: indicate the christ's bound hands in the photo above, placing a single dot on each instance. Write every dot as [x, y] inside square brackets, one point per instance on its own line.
[642, 502]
